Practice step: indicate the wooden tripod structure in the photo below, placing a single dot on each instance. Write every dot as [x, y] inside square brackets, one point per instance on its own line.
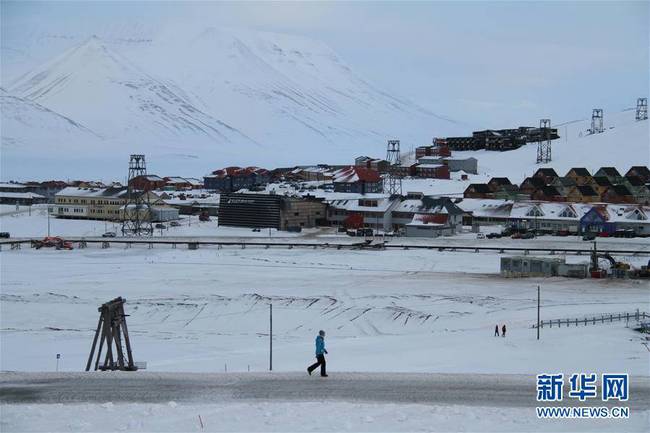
[112, 325]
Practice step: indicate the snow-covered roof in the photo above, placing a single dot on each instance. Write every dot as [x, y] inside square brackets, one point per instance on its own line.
[428, 220]
[355, 174]
[12, 186]
[429, 165]
[25, 195]
[176, 180]
[74, 191]
[238, 171]
[548, 210]
[358, 205]
[486, 207]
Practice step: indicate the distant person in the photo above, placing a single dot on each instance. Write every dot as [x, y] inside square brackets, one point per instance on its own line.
[503, 330]
[496, 331]
[320, 355]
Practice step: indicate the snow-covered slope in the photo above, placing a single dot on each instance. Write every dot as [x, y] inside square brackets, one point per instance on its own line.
[95, 85]
[24, 122]
[624, 143]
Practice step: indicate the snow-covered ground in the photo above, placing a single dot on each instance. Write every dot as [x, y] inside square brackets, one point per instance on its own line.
[207, 310]
[295, 416]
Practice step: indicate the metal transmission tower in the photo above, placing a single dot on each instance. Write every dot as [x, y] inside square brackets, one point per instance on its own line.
[544, 143]
[597, 121]
[393, 179]
[136, 220]
[641, 108]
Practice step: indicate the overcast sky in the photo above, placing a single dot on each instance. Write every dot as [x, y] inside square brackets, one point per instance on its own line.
[489, 64]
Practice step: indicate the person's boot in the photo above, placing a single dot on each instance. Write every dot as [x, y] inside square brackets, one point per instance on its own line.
[308, 371]
[324, 375]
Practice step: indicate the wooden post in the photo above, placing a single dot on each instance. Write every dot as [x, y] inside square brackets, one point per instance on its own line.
[127, 342]
[92, 349]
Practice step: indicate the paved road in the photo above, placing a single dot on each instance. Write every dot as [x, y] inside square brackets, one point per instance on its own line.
[438, 389]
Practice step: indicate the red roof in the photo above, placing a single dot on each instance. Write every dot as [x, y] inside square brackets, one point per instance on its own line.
[239, 171]
[355, 174]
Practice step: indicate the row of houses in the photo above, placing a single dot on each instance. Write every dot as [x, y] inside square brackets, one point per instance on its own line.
[29, 193]
[419, 215]
[152, 182]
[577, 185]
[414, 214]
[574, 218]
[499, 139]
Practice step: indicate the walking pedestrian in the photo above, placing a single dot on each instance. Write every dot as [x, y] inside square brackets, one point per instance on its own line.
[320, 355]
[496, 331]
[503, 331]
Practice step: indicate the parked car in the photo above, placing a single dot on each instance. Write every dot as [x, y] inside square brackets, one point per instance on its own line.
[174, 224]
[364, 232]
[493, 236]
[528, 235]
[480, 236]
[562, 233]
[4, 235]
[624, 233]
[294, 229]
[603, 235]
[109, 235]
[516, 235]
[257, 229]
[161, 226]
[342, 229]
[588, 237]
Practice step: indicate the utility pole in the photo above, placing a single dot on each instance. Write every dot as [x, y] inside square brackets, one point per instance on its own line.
[270, 337]
[48, 220]
[538, 312]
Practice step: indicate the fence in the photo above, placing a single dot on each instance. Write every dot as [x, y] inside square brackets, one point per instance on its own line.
[594, 319]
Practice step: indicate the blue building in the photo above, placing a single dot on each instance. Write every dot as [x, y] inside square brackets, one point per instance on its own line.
[596, 220]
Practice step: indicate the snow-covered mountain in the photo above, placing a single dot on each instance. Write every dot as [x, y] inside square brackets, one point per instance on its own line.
[220, 96]
[92, 83]
[24, 122]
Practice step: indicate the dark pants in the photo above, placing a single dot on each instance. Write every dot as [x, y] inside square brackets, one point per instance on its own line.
[320, 360]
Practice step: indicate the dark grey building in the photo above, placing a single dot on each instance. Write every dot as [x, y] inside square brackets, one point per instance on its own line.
[271, 211]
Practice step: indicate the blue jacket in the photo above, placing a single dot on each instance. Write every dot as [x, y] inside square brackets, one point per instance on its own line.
[320, 345]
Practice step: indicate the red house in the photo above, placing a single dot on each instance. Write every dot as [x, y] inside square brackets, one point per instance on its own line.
[147, 182]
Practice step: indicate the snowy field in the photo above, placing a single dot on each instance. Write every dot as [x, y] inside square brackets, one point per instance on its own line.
[207, 310]
[295, 416]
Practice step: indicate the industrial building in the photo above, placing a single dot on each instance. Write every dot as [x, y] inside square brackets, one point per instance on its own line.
[526, 266]
[271, 211]
[467, 165]
[501, 139]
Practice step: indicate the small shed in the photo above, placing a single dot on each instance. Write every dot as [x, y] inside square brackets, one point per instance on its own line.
[525, 266]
